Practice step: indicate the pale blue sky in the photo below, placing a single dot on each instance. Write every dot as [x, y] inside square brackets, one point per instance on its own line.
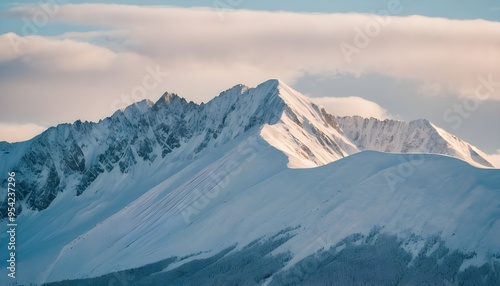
[451, 9]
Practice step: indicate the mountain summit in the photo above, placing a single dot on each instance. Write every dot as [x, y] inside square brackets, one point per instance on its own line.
[262, 175]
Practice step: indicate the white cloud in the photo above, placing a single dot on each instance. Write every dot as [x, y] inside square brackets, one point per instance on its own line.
[353, 105]
[54, 80]
[46, 54]
[445, 54]
[494, 159]
[19, 132]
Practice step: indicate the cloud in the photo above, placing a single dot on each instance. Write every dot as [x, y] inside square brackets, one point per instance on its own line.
[46, 54]
[440, 53]
[54, 80]
[19, 132]
[494, 159]
[353, 105]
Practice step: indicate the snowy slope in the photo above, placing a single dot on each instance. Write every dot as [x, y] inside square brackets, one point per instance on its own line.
[418, 136]
[188, 213]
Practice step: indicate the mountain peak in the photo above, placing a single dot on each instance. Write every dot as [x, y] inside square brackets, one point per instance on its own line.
[276, 87]
[169, 97]
[141, 106]
[273, 84]
[171, 101]
[423, 122]
[234, 91]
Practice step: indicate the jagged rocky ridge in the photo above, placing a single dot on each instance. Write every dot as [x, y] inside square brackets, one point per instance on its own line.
[70, 157]
[417, 136]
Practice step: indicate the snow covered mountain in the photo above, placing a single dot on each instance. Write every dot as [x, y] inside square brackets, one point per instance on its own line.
[69, 157]
[72, 156]
[180, 189]
[418, 136]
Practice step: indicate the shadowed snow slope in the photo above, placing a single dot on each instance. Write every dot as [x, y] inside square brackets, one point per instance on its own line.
[209, 206]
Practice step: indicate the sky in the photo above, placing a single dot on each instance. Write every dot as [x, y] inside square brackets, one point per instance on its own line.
[63, 60]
